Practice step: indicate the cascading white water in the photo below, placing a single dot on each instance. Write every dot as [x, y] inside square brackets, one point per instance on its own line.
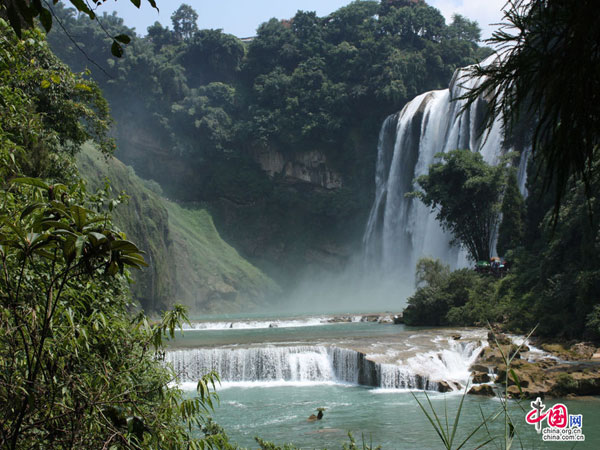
[450, 364]
[275, 363]
[324, 364]
[401, 230]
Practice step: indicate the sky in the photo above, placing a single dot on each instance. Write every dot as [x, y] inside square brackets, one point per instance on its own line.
[242, 18]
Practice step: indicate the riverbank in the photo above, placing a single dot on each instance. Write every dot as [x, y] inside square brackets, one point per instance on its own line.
[538, 369]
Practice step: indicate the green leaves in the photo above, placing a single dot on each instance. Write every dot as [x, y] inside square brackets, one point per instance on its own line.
[82, 7]
[465, 192]
[46, 19]
[123, 38]
[64, 309]
[30, 181]
[116, 49]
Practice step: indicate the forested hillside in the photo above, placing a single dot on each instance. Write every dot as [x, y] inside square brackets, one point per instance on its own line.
[188, 261]
[277, 136]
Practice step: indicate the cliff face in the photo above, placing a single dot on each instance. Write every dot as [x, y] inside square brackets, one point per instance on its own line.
[287, 210]
[308, 167]
[188, 261]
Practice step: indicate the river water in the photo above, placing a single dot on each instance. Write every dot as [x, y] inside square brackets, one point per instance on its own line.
[276, 372]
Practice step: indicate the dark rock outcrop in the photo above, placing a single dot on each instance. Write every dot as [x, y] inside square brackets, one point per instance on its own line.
[483, 390]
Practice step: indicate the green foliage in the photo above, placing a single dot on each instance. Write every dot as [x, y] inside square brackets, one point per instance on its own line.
[364, 446]
[557, 274]
[512, 229]
[76, 370]
[265, 445]
[459, 298]
[592, 323]
[565, 383]
[194, 113]
[466, 192]
[536, 82]
[21, 14]
[46, 110]
[211, 55]
[431, 272]
[184, 21]
[189, 261]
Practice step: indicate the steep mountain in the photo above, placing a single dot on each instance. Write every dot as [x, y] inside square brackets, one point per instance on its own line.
[189, 261]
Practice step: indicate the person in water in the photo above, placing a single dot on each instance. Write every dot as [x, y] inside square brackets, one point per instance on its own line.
[319, 416]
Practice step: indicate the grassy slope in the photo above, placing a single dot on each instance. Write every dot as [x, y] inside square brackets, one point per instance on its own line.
[208, 270]
[189, 262]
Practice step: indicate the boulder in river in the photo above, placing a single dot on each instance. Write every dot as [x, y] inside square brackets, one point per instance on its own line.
[483, 390]
[481, 377]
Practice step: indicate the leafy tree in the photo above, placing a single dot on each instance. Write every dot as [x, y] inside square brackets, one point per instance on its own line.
[21, 13]
[76, 369]
[390, 5]
[535, 80]
[211, 55]
[430, 272]
[465, 192]
[184, 21]
[464, 29]
[361, 65]
[442, 297]
[557, 274]
[160, 36]
[55, 111]
[512, 229]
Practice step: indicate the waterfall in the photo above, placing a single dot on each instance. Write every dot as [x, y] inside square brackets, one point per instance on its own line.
[277, 363]
[401, 230]
[324, 364]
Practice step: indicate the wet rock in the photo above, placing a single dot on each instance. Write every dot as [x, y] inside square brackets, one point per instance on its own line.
[479, 368]
[369, 318]
[481, 377]
[273, 325]
[456, 337]
[339, 319]
[583, 350]
[559, 350]
[494, 353]
[580, 379]
[483, 390]
[385, 320]
[500, 338]
[448, 386]
[399, 319]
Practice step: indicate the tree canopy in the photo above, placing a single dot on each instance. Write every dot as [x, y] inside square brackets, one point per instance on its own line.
[465, 192]
[21, 13]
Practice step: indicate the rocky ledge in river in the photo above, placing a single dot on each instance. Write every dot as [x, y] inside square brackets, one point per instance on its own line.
[387, 318]
[562, 371]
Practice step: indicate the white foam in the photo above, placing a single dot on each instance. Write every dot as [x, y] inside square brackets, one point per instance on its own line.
[257, 324]
[450, 363]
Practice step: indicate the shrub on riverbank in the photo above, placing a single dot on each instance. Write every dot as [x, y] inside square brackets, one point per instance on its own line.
[462, 297]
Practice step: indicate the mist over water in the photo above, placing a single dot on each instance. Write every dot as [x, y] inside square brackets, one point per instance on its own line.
[355, 290]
